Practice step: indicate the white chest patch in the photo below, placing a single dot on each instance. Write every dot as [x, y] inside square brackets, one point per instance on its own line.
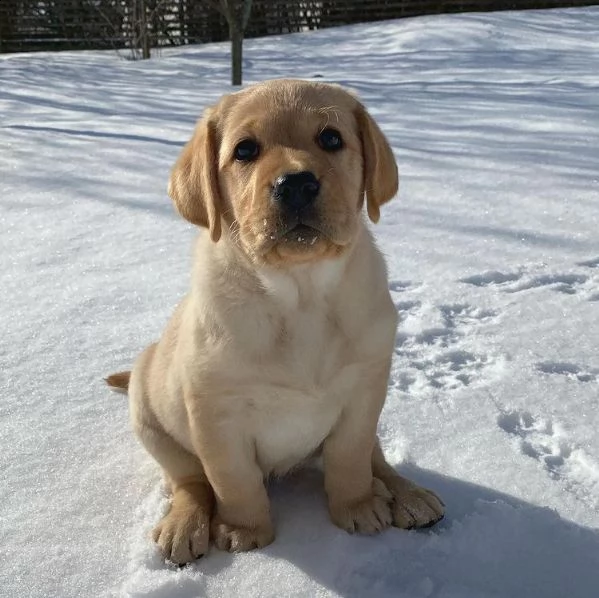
[292, 428]
[297, 410]
[310, 283]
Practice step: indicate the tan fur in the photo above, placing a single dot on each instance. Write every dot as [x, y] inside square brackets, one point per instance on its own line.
[281, 350]
[119, 381]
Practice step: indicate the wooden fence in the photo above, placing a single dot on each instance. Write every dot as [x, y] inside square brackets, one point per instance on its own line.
[30, 25]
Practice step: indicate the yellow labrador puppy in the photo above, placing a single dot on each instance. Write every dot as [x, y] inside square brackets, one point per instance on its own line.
[281, 349]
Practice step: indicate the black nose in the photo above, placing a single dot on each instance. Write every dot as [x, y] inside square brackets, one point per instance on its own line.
[296, 190]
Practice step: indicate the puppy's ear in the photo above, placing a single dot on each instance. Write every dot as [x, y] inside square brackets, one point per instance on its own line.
[193, 185]
[380, 169]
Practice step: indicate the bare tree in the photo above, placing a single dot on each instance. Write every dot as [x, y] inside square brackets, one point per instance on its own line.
[237, 13]
[141, 33]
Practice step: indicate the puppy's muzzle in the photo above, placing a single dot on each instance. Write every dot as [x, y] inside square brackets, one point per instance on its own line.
[294, 191]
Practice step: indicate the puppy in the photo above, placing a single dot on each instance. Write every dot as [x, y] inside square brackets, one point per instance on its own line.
[281, 349]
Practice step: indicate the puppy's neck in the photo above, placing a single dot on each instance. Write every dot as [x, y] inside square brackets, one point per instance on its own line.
[300, 285]
[291, 287]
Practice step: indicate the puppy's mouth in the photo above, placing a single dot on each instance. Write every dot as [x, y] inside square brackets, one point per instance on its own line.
[298, 233]
[297, 237]
[302, 235]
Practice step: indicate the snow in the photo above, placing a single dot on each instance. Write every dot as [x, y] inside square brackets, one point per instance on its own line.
[494, 266]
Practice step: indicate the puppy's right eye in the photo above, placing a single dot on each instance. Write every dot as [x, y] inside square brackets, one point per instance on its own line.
[246, 150]
[330, 140]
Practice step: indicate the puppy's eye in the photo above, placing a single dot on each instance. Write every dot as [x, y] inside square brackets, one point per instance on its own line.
[330, 140]
[246, 150]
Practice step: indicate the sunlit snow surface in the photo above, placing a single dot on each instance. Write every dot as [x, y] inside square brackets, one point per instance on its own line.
[493, 252]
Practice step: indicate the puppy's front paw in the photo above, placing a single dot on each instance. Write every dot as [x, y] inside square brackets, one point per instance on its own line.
[236, 538]
[367, 516]
[183, 535]
[415, 507]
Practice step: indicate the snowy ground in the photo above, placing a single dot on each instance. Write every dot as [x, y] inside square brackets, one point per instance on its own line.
[494, 266]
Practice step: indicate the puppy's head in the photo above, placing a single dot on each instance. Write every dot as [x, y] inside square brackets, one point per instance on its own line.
[285, 166]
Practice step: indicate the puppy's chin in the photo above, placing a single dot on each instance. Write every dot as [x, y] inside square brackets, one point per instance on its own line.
[301, 245]
[292, 252]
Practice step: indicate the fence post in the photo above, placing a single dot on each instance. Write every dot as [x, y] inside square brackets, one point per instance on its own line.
[236, 36]
[141, 35]
[145, 34]
[237, 13]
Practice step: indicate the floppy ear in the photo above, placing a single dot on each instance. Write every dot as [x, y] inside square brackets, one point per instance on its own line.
[380, 169]
[193, 185]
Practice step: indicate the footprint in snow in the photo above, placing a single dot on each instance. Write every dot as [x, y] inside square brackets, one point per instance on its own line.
[434, 357]
[563, 283]
[491, 278]
[407, 307]
[545, 441]
[568, 370]
[516, 282]
[400, 286]
[458, 314]
[451, 369]
[594, 281]
[593, 263]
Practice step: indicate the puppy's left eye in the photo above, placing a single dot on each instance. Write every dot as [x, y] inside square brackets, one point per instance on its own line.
[330, 140]
[246, 150]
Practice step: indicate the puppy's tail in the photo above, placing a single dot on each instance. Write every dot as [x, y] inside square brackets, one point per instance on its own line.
[119, 382]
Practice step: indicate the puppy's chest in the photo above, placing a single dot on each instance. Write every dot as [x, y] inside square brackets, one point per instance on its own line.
[311, 346]
[289, 425]
[310, 377]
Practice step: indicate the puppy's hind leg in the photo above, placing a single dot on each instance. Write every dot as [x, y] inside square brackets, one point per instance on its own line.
[183, 534]
[413, 506]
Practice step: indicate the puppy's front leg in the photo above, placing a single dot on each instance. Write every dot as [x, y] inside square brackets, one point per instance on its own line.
[242, 521]
[358, 502]
[413, 506]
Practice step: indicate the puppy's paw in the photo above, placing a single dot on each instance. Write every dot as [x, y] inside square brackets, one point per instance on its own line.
[235, 538]
[367, 516]
[183, 535]
[415, 507]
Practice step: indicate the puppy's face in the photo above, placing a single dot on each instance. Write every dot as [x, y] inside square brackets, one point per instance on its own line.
[285, 166]
[290, 168]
